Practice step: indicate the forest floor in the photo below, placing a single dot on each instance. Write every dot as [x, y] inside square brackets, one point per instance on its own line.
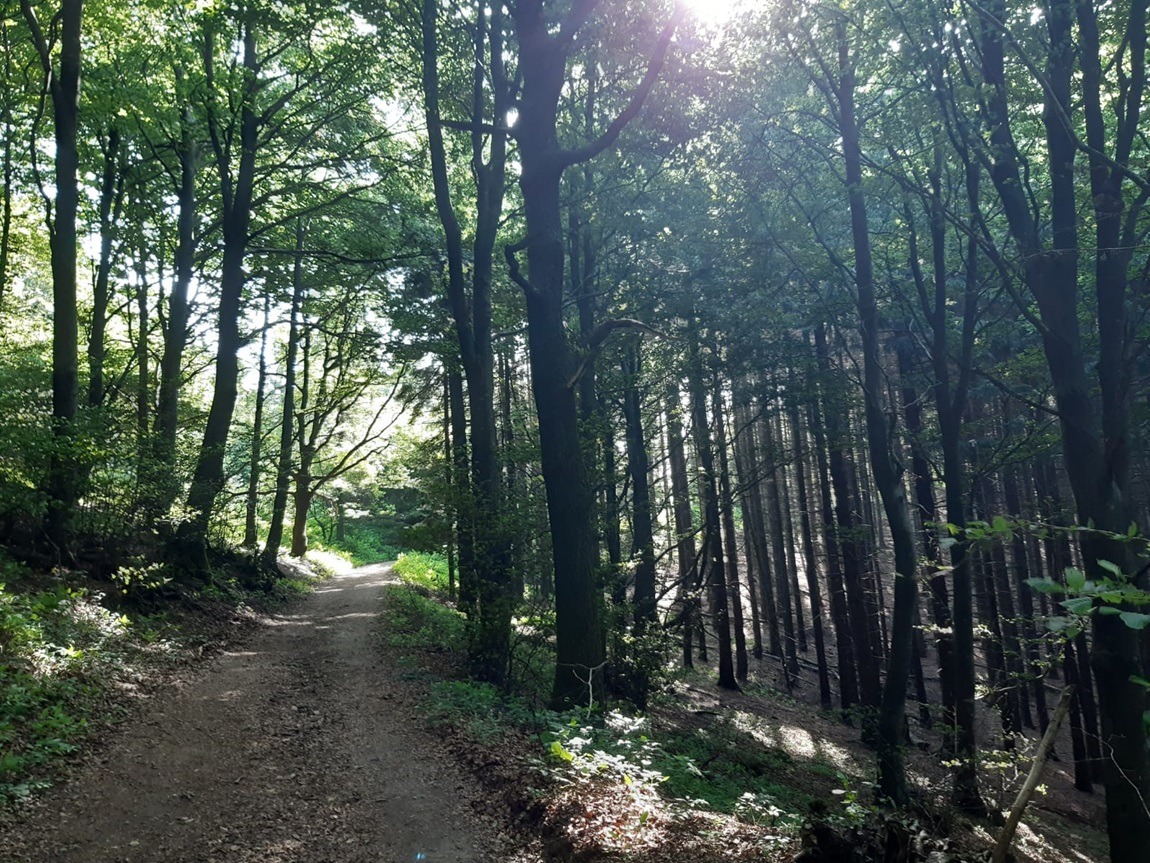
[307, 740]
[293, 745]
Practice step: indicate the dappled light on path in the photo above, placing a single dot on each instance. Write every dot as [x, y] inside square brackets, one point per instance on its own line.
[294, 747]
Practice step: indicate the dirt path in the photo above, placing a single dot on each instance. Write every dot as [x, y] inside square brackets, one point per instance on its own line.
[295, 747]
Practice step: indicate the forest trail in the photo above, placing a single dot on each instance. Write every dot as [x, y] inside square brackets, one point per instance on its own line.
[296, 746]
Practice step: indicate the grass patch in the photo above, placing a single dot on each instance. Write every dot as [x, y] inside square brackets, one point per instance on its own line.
[418, 621]
[363, 548]
[482, 711]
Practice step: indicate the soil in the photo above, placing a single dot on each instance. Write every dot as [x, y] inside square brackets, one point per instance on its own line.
[299, 745]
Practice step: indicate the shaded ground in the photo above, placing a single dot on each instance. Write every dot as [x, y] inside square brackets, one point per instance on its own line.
[294, 747]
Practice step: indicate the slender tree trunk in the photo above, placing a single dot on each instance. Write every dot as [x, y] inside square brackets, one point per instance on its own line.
[449, 484]
[758, 529]
[887, 472]
[110, 206]
[462, 499]
[844, 646]
[1020, 559]
[288, 421]
[252, 499]
[742, 431]
[685, 552]
[846, 534]
[727, 509]
[643, 539]
[809, 559]
[176, 332]
[8, 168]
[712, 556]
[928, 517]
[208, 479]
[778, 542]
[143, 369]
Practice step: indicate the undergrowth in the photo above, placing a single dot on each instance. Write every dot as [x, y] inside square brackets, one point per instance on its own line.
[714, 768]
[70, 647]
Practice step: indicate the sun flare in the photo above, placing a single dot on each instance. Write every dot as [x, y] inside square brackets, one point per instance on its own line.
[714, 11]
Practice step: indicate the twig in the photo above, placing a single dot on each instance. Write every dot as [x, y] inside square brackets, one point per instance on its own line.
[1027, 791]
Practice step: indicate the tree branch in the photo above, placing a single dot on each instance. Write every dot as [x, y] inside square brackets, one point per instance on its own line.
[567, 158]
[599, 336]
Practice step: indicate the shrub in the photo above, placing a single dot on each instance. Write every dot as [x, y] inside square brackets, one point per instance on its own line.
[423, 569]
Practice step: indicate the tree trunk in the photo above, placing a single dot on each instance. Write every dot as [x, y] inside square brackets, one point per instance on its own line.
[176, 332]
[844, 646]
[887, 472]
[490, 615]
[208, 479]
[758, 530]
[727, 510]
[287, 423]
[712, 556]
[64, 88]
[1094, 448]
[110, 207]
[252, 499]
[778, 543]
[809, 560]
[846, 533]
[685, 553]
[742, 431]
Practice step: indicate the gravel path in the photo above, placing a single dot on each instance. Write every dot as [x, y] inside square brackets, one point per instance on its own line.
[298, 747]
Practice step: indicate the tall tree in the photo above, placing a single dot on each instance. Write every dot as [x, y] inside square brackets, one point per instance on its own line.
[471, 311]
[62, 82]
[544, 50]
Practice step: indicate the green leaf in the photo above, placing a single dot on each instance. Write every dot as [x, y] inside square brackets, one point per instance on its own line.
[1001, 524]
[1080, 605]
[1045, 585]
[1111, 567]
[560, 751]
[1135, 620]
[1109, 610]
[1075, 580]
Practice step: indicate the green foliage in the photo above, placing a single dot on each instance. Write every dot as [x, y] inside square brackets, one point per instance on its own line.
[719, 766]
[482, 711]
[418, 621]
[365, 547]
[52, 645]
[1108, 596]
[423, 569]
[142, 581]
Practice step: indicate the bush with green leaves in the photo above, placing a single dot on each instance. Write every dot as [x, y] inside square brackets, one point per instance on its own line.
[422, 568]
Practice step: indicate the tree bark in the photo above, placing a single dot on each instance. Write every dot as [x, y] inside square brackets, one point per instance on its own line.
[287, 422]
[809, 559]
[712, 555]
[64, 89]
[208, 479]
